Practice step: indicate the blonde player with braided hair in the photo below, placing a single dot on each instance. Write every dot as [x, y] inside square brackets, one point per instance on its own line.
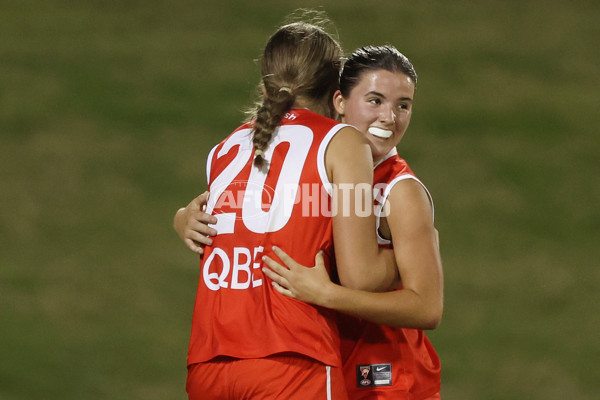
[289, 80]
[248, 341]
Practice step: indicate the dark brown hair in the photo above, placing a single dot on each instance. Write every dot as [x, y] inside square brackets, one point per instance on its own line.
[373, 58]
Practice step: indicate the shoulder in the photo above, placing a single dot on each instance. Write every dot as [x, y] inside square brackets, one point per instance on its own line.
[407, 187]
[348, 157]
[346, 143]
[409, 199]
[402, 183]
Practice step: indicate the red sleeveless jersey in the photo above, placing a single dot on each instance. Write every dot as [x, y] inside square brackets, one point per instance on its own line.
[237, 312]
[382, 362]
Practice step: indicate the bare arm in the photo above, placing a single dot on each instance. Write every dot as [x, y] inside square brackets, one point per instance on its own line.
[418, 305]
[416, 248]
[350, 168]
[191, 224]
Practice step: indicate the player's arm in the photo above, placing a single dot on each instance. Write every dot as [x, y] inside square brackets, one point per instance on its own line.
[191, 224]
[350, 168]
[418, 305]
[420, 302]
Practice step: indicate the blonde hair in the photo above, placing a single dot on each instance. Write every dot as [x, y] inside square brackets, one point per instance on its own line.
[300, 60]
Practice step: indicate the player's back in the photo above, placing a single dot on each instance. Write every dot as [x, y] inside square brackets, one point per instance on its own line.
[237, 312]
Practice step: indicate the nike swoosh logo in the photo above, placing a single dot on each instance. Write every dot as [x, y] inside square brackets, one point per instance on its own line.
[380, 368]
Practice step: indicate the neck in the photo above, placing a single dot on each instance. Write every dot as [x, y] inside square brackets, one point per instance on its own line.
[314, 106]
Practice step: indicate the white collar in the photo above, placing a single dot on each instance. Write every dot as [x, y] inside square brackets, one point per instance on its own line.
[392, 153]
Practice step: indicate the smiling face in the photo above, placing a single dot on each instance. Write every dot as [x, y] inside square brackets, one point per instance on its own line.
[380, 106]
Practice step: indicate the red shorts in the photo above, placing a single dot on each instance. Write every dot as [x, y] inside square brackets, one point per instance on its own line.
[276, 377]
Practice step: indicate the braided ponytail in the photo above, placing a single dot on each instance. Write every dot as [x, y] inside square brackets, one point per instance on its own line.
[268, 117]
[300, 63]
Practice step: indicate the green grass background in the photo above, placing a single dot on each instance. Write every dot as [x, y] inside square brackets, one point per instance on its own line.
[108, 110]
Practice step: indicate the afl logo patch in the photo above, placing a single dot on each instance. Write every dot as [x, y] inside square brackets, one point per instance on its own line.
[374, 375]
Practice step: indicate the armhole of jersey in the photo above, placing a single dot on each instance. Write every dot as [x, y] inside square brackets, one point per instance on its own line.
[321, 156]
[209, 160]
[381, 240]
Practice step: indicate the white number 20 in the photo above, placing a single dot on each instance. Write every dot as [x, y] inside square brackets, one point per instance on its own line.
[253, 216]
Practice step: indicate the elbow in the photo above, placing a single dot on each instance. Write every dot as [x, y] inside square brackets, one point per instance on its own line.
[432, 318]
[426, 316]
[431, 324]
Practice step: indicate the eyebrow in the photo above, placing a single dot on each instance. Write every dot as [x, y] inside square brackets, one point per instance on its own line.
[374, 93]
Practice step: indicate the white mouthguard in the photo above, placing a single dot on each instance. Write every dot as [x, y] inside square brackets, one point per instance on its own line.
[382, 133]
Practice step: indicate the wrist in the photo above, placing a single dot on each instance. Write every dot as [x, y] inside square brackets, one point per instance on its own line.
[329, 295]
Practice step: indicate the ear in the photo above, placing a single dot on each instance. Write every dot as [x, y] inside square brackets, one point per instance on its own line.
[338, 102]
[264, 90]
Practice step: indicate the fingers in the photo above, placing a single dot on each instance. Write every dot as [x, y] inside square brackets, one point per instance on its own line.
[203, 198]
[279, 269]
[205, 218]
[274, 276]
[282, 290]
[198, 238]
[193, 246]
[199, 202]
[280, 283]
[199, 222]
[197, 233]
[287, 260]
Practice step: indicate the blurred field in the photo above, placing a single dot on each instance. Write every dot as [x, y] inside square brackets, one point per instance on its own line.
[108, 110]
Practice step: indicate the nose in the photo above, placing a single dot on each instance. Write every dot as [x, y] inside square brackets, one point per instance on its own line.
[387, 115]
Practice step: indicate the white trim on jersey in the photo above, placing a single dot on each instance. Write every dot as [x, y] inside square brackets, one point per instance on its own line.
[321, 156]
[392, 153]
[209, 164]
[386, 193]
[328, 369]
